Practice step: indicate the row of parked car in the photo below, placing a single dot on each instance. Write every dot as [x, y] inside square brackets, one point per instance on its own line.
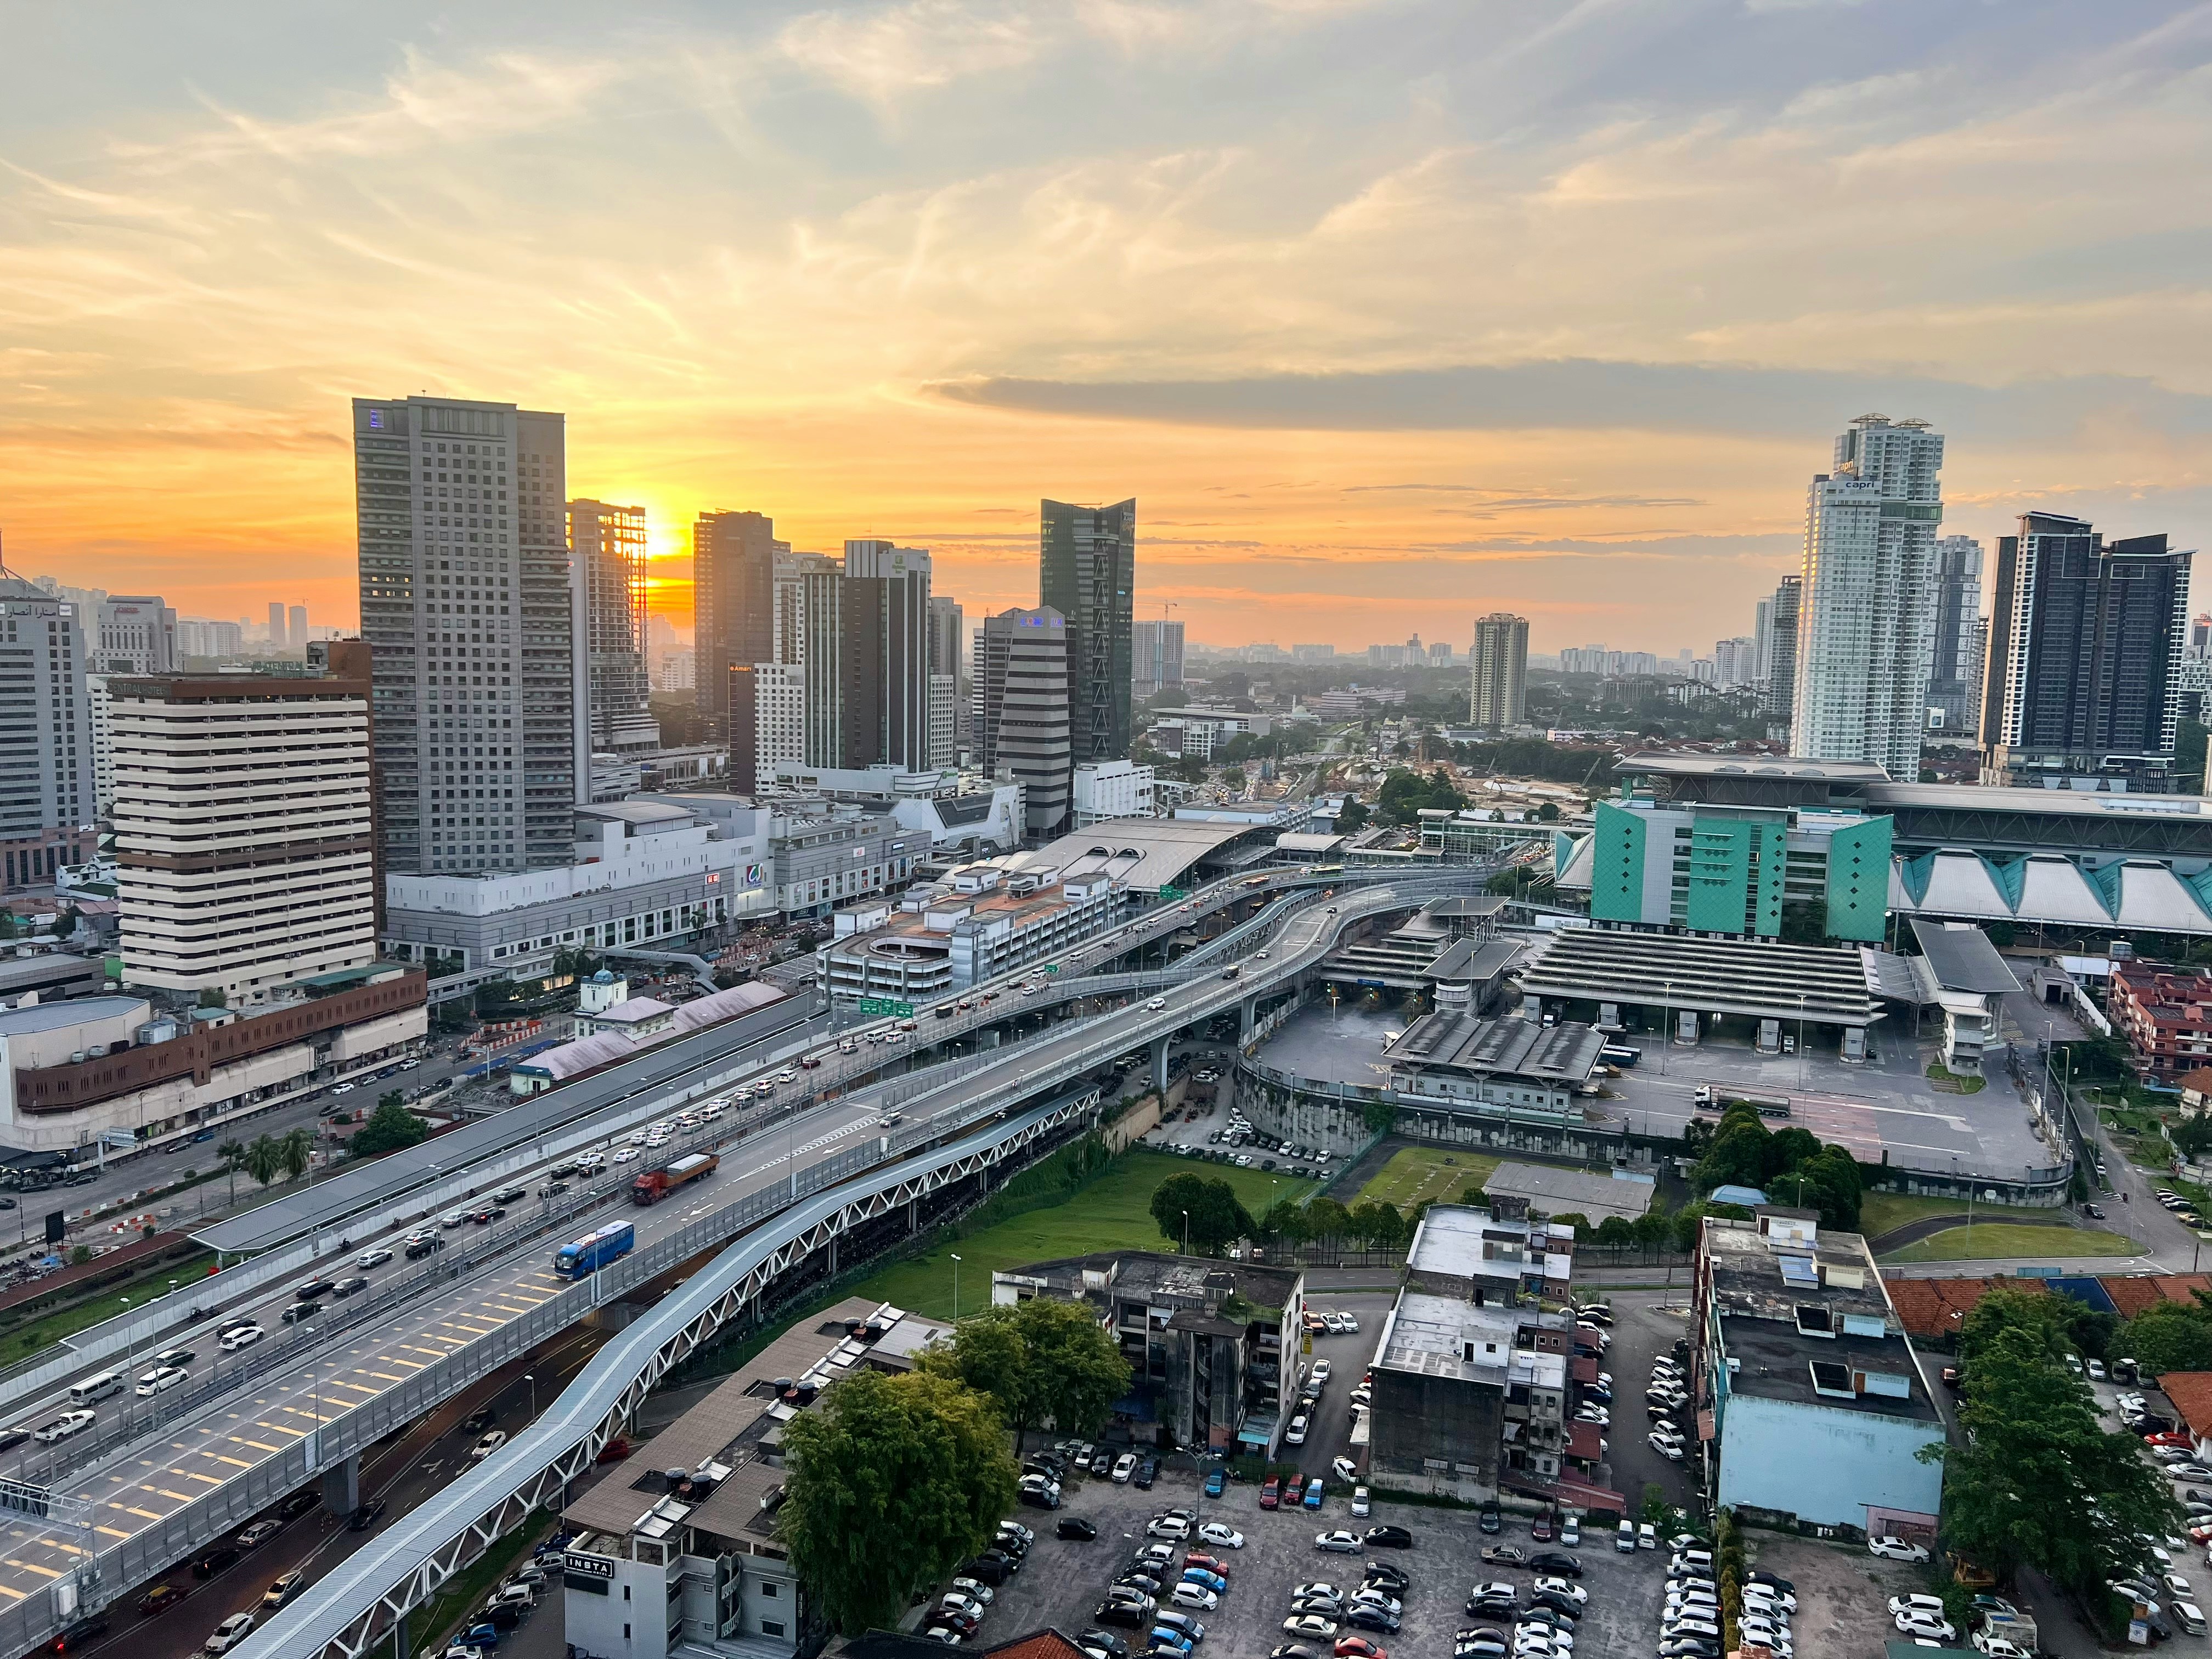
[1538, 1623]
[959, 1612]
[1345, 1623]
[1690, 1623]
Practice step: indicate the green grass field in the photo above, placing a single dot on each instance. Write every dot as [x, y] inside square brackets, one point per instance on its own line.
[2001, 1241]
[1880, 1211]
[1108, 1214]
[1417, 1172]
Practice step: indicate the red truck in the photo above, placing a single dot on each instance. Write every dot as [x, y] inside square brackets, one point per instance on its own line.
[656, 1184]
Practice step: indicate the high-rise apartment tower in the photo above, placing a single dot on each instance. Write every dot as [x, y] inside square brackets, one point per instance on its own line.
[613, 685]
[1781, 655]
[47, 793]
[464, 602]
[1158, 655]
[1088, 574]
[1021, 721]
[1954, 676]
[867, 659]
[734, 604]
[1499, 695]
[1866, 627]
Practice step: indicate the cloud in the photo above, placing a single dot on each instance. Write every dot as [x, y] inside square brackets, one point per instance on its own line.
[1586, 394]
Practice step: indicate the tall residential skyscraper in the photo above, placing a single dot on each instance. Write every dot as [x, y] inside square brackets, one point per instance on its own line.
[767, 721]
[464, 601]
[734, 604]
[1781, 699]
[278, 636]
[1156, 655]
[790, 575]
[47, 793]
[1022, 717]
[1762, 639]
[2086, 644]
[948, 663]
[1088, 574]
[267, 778]
[1954, 676]
[1866, 630]
[1498, 696]
[612, 686]
[867, 659]
[295, 637]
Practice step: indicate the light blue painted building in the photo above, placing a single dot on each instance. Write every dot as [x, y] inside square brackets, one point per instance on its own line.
[1819, 1405]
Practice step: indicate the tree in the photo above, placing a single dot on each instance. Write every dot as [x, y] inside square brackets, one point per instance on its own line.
[297, 1150]
[1326, 1218]
[1351, 819]
[2169, 1336]
[2058, 1325]
[2036, 1481]
[1380, 1116]
[1041, 1360]
[893, 1482]
[1378, 1225]
[391, 1127]
[1616, 1231]
[1285, 1218]
[1206, 1213]
[212, 996]
[1234, 780]
[233, 1155]
[264, 1159]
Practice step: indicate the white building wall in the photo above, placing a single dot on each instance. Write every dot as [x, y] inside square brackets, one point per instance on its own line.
[1112, 789]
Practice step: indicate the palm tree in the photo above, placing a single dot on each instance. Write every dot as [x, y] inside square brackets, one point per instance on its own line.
[233, 1155]
[297, 1149]
[264, 1159]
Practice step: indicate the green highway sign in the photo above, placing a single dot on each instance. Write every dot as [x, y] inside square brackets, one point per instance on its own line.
[886, 1005]
[1052, 967]
[1169, 895]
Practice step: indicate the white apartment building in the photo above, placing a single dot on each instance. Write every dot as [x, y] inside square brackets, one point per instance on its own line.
[47, 796]
[1113, 789]
[1866, 630]
[977, 923]
[778, 719]
[245, 843]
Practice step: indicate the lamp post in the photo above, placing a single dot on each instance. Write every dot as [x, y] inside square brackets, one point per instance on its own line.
[531, 1379]
[956, 1289]
[1186, 1232]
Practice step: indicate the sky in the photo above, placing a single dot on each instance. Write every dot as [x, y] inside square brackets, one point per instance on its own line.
[1389, 312]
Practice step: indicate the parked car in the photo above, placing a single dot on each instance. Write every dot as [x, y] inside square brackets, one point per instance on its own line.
[229, 1633]
[1389, 1538]
[1077, 1530]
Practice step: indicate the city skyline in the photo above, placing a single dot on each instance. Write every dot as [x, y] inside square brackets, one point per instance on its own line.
[907, 310]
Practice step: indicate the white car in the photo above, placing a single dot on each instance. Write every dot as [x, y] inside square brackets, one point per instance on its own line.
[63, 1427]
[1927, 1624]
[159, 1381]
[1338, 1543]
[1156, 1004]
[1295, 1434]
[454, 1218]
[485, 1447]
[1169, 1526]
[243, 1337]
[229, 1633]
[1920, 1602]
[1565, 1587]
[1896, 1549]
[1195, 1596]
[1361, 1508]
[1322, 1371]
[625, 1154]
[1345, 1469]
[1124, 1467]
[957, 1602]
[1221, 1536]
[975, 1589]
[374, 1258]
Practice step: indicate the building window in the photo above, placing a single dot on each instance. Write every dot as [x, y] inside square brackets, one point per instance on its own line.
[769, 1627]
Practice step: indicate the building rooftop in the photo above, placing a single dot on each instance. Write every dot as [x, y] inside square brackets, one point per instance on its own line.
[1454, 1041]
[1144, 854]
[1456, 1242]
[1557, 1191]
[1756, 977]
[1431, 1335]
[1644, 763]
[637, 812]
[1803, 1316]
[603, 1047]
[58, 1016]
[1189, 1281]
[1961, 958]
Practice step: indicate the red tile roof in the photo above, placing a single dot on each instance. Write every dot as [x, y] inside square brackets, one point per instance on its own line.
[2131, 1293]
[1038, 1644]
[1583, 1442]
[2192, 1394]
[1583, 1367]
[1932, 1309]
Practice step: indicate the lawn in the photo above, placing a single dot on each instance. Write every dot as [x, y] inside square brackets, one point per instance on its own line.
[1879, 1213]
[1110, 1213]
[2002, 1241]
[1415, 1174]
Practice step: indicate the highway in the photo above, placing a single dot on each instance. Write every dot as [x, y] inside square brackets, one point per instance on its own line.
[149, 1467]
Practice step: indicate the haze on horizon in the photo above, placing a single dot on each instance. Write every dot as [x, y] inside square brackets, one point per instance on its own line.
[1390, 313]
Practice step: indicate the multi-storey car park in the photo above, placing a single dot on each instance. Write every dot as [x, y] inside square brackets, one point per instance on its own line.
[796, 1176]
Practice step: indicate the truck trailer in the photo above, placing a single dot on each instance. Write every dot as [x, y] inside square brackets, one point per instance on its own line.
[656, 1184]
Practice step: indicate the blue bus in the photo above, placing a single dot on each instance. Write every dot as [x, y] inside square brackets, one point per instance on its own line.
[1620, 1055]
[594, 1250]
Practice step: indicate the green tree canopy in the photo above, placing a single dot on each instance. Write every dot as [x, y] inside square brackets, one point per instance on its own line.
[296, 1149]
[1326, 1219]
[1378, 1225]
[264, 1159]
[391, 1127]
[1217, 1218]
[2169, 1336]
[1352, 818]
[1285, 1218]
[2058, 1325]
[1042, 1361]
[1380, 1116]
[1790, 1166]
[1405, 792]
[893, 1482]
[2037, 1481]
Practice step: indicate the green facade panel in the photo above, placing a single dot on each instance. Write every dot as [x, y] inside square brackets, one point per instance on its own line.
[1858, 881]
[1617, 865]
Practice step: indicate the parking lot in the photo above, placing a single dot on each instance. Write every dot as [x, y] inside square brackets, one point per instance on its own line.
[1061, 1582]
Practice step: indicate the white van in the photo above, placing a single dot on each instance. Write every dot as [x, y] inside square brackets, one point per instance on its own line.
[95, 1387]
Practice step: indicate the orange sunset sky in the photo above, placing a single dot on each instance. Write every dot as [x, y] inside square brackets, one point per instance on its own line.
[1389, 312]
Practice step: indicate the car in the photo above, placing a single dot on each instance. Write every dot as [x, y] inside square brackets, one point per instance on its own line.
[1156, 1004]
[1761, 1576]
[1918, 1602]
[1570, 1530]
[1040, 1497]
[159, 1380]
[1106, 1641]
[1541, 1529]
[1295, 1434]
[280, 1593]
[1555, 1561]
[975, 1589]
[485, 1447]
[1189, 1593]
[68, 1423]
[245, 1336]
[214, 1561]
[1563, 1586]
[1369, 1616]
[1491, 1520]
[1896, 1549]
[1361, 1508]
[421, 1244]
[1221, 1536]
[1354, 1647]
[1076, 1530]
[365, 1515]
[1927, 1624]
[257, 1534]
[301, 1311]
[1181, 1623]
[1205, 1578]
[179, 1357]
[944, 1633]
[229, 1633]
[1271, 1492]
[1388, 1577]
[1148, 1470]
[1338, 1543]
[308, 1289]
[1314, 1493]
[957, 1602]
[160, 1599]
[1174, 1526]
[1389, 1538]
[1217, 1481]
[1311, 1625]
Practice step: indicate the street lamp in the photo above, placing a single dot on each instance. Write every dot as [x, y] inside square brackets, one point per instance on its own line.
[531, 1380]
[1186, 1232]
[956, 1289]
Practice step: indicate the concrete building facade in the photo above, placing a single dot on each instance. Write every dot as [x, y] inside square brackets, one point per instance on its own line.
[979, 922]
[613, 687]
[1023, 719]
[1498, 696]
[48, 793]
[1087, 573]
[733, 598]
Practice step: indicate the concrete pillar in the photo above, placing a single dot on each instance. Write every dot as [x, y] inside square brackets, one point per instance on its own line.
[1608, 1013]
[833, 1256]
[342, 1487]
[1247, 1016]
[1160, 1064]
[912, 1216]
[1686, 1027]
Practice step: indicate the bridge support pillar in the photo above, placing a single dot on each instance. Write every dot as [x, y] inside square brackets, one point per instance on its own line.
[342, 1487]
[1247, 1017]
[833, 1257]
[1160, 1064]
[912, 1216]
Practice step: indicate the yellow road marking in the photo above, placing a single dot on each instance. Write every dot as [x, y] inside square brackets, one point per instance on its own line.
[110, 1532]
[235, 1462]
[9, 1590]
[386, 1376]
[163, 1492]
[194, 1474]
[411, 1365]
[145, 1514]
[32, 1566]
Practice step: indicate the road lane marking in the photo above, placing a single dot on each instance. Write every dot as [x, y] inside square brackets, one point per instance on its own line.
[109, 1531]
[236, 1462]
[143, 1514]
